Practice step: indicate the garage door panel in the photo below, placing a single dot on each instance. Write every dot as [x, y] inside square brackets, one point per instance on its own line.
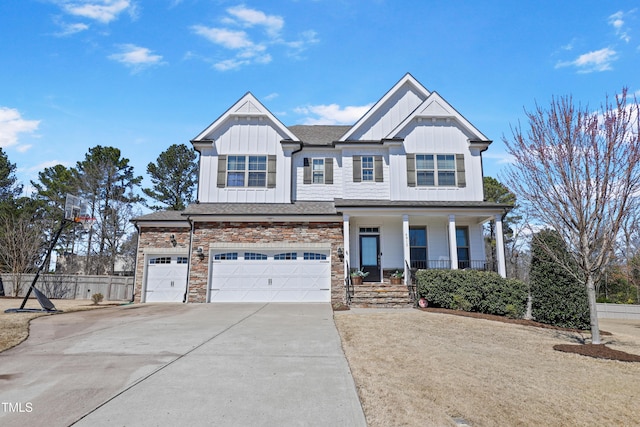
[166, 282]
[271, 280]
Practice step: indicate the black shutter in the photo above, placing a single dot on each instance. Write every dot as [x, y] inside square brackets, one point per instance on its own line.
[306, 175]
[271, 171]
[357, 169]
[222, 171]
[462, 180]
[328, 170]
[377, 171]
[411, 170]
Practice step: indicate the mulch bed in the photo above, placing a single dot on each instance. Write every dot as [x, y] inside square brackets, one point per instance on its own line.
[599, 351]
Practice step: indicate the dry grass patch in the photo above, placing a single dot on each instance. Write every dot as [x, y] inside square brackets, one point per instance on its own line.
[419, 368]
[14, 327]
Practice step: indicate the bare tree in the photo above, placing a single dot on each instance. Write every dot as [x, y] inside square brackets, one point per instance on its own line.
[22, 242]
[578, 172]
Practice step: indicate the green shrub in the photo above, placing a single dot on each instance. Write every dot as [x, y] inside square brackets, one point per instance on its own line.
[469, 290]
[557, 297]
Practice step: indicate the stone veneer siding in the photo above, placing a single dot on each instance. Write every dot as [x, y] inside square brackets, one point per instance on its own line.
[157, 239]
[263, 232]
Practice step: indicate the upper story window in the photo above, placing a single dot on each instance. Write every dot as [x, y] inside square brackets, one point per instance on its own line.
[367, 169]
[435, 170]
[318, 170]
[246, 171]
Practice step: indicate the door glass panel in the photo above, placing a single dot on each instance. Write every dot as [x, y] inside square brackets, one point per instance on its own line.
[369, 250]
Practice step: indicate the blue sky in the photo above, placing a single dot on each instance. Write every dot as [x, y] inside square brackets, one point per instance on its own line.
[142, 75]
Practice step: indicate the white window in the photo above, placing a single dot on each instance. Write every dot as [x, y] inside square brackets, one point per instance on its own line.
[246, 171]
[318, 171]
[367, 168]
[436, 170]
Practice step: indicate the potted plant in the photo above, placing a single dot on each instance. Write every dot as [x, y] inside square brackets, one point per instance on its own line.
[357, 276]
[396, 278]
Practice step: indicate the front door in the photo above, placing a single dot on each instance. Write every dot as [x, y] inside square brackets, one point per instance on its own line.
[370, 257]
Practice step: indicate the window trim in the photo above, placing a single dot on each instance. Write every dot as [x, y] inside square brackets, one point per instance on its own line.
[458, 171]
[462, 264]
[327, 170]
[269, 171]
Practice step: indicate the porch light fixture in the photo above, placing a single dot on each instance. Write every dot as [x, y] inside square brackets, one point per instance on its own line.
[341, 254]
[200, 252]
[173, 241]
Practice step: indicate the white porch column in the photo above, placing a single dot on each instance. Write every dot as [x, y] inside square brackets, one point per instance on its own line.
[453, 246]
[406, 247]
[345, 243]
[502, 266]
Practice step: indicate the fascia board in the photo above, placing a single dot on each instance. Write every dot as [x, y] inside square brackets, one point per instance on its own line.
[266, 218]
[231, 112]
[453, 114]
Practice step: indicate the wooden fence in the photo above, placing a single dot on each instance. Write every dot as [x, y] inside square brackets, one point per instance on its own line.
[62, 286]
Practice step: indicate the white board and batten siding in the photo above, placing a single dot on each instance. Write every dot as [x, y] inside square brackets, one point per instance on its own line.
[245, 136]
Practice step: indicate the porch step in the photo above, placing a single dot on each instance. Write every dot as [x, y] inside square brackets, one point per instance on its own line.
[380, 295]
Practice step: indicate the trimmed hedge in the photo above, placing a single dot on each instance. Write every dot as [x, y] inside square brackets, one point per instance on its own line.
[470, 290]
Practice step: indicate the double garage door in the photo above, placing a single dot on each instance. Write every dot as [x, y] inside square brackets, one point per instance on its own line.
[270, 276]
[246, 276]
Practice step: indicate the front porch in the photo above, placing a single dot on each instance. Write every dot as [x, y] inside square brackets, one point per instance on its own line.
[381, 241]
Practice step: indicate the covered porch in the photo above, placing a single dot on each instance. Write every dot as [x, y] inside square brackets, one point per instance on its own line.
[381, 238]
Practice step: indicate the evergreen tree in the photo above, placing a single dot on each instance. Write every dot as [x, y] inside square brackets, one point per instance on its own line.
[107, 182]
[558, 298]
[174, 177]
[9, 186]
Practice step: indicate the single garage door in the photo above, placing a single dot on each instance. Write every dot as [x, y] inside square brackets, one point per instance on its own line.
[166, 278]
[271, 276]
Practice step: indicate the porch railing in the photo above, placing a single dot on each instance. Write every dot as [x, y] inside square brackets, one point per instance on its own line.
[348, 285]
[412, 284]
[440, 264]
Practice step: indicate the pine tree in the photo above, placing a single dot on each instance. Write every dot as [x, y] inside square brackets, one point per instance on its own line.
[174, 177]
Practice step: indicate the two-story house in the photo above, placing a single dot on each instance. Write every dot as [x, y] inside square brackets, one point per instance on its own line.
[284, 213]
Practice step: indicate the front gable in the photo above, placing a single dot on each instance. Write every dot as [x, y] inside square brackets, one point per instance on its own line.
[242, 158]
[399, 102]
[433, 109]
[248, 108]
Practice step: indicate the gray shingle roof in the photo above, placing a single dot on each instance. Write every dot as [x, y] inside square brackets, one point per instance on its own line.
[318, 134]
[161, 216]
[298, 208]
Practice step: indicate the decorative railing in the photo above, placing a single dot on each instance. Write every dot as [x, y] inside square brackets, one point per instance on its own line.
[412, 284]
[348, 285]
[482, 265]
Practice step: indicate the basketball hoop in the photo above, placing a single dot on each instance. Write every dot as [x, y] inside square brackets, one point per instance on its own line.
[86, 221]
[76, 210]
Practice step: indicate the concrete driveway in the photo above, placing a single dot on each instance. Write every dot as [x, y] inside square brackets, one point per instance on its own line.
[181, 364]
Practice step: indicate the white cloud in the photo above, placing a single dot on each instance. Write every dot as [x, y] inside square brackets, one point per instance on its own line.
[250, 33]
[271, 96]
[617, 21]
[103, 11]
[12, 125]
[332, 114]
[224, 37]
[272, 24]
[69, 29]
[597, 60]
[136, 57]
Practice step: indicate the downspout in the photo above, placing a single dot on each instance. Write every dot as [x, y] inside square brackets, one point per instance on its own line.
[186, 290]
[291, 172]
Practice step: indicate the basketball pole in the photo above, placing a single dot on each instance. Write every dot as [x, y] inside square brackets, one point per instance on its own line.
[44, 262]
